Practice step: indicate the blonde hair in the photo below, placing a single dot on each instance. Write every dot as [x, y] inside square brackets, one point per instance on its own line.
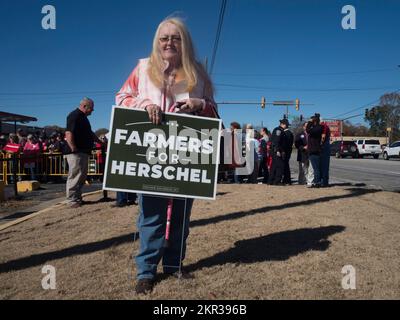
[191, 68]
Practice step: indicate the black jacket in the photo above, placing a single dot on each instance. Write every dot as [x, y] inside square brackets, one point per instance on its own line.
[300, 142]
[277, 139]
[79, 125]
[288, 143]
[314, 138]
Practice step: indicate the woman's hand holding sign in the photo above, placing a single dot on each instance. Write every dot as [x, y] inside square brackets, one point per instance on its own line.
[155, 113]
[191, 105]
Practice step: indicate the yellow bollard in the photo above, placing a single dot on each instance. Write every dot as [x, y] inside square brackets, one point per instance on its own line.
[25, 186]
[2, 186]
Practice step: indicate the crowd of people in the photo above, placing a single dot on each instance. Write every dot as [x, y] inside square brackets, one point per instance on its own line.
[31, 147]
[18, 142]
[273, 150]
[313, 145]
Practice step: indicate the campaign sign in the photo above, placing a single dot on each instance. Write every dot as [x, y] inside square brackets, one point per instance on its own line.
[334, 126]
[178, 158]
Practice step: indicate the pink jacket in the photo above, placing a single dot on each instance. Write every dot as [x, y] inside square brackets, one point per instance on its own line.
[138, 92]
[31, 147]
[31, 150]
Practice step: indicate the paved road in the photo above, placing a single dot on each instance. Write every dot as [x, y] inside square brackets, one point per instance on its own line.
[373, 172]
[46, 196]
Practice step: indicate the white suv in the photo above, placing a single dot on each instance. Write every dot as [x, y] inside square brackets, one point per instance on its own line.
[368, 147]
[392, 151]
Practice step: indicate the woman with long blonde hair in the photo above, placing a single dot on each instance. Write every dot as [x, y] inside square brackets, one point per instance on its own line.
[170, 80]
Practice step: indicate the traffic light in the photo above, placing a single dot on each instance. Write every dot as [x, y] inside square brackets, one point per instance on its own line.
[366, 113]
[372, 113]
[263, 102]
[297, 104]
[284, 116]
[301, 118]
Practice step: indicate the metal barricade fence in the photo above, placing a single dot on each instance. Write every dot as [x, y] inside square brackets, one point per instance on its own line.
[3, 168]
[47, 165]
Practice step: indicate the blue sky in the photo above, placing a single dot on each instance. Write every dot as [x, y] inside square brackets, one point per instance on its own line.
[278, 49]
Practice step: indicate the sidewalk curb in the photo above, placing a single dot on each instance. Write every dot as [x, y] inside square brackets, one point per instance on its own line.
[32, 215]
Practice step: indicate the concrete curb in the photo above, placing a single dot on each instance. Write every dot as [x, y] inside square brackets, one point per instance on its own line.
[32, 215]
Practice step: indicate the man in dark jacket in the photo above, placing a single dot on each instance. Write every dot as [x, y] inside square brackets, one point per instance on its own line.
[314, 131]
[300, 143]
[278, 153]
[80, 139]
[264, 151]
[287, 146]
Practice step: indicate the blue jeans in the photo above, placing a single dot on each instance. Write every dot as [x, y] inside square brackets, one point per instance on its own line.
[124, 197]
[264, 168]
[32, 172]
[237, 178]
[314, 161]
[151, 225]
[325, 160]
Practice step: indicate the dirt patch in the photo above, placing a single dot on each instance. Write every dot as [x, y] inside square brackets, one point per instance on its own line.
[11, 205]
[254, 242]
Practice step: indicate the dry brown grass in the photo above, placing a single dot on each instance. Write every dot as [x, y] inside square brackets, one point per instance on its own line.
[11, 205]
[254, 242]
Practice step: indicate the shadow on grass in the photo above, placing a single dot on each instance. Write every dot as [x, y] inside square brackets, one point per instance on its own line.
[348, 184]
[42, 258]
[16, 215]
[222, 193]
[301, 243]
[273, 247]
[354, 192]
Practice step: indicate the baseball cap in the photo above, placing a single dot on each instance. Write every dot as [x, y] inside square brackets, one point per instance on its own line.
[285, 121]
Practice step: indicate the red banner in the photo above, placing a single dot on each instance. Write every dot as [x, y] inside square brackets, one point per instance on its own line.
[334, 126]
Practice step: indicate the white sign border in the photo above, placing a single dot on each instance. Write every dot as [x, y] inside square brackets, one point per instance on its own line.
[163, 193]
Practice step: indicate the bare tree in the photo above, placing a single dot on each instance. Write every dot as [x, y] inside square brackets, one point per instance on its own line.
[385, 115]
[391, 104]
[101, 131]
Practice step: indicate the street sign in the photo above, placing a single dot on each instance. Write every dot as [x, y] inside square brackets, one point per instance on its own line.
[178, 158]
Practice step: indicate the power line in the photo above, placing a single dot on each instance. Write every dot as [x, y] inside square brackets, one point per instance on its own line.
[355, 116]
[364, 106]
[52, 105]
[303, 89]
[305, 74]
[55, 93]
[218, 34]
[358, 108]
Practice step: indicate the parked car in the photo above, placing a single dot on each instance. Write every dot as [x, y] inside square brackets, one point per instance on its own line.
[392, 151]
[342, 149]
[368, 147]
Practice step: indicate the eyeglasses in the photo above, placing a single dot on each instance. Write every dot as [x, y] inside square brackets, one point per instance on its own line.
[174, 39]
